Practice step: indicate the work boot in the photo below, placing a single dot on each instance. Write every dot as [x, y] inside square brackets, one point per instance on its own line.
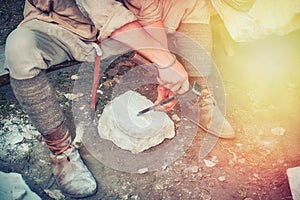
[211, 118]
[70, 172]
[37, 98]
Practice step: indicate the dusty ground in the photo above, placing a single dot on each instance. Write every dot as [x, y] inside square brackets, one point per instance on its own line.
[262, 87]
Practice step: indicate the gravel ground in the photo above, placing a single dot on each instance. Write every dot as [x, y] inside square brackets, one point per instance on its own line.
[10, 16]
[262, 106]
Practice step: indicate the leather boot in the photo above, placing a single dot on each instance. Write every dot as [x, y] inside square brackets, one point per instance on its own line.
[211, 118]
[70, 172]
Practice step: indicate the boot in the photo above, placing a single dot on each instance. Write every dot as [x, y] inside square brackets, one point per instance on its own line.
[211, 118]
[70, 172]
[37, 98]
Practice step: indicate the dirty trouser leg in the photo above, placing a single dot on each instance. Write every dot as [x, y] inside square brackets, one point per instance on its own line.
[28, 53]
[193, 42]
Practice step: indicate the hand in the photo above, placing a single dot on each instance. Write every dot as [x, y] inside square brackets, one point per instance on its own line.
[162, 94]
[174, 78]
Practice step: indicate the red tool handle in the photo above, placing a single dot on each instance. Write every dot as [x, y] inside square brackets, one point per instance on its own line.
[96, 81]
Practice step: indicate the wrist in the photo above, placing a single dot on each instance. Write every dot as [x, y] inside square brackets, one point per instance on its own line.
[170, 63]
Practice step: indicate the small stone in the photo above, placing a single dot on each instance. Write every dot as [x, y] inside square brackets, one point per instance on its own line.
[124, 197]
[256, 175]
[108, 83]
[135, 197]
[209, 163]
[159, 186]
[71, 96]
[175, 118]
[116, 79]
[43, 161]
[221, 178]
[30, 132]
[54, 194]
[212, 162]
[74, 77]
[278, 131]
[193, 169]
[239, 144]
[206, 197]
[17, 139]
[187, 127]
[143, 170]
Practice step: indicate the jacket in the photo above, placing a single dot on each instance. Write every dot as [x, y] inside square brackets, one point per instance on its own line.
[171, 12]
[89, 19]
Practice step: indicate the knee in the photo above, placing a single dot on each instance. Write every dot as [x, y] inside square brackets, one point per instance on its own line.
[19, 49]
[19, 43]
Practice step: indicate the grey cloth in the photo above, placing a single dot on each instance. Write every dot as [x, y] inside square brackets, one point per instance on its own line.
[37, 98]
[37, 45]
[193, 43]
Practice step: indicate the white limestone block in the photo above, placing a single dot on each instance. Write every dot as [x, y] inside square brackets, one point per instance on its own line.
[294, 181]
[12, 186]
[120, 124]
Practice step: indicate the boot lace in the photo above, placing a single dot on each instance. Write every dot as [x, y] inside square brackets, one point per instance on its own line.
[57, 147]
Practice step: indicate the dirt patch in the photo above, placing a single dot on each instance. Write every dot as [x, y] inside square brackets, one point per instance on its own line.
[10, 16]
[262, 106]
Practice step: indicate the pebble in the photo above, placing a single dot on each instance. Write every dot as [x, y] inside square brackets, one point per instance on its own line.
[175, 117]
[74, 77]
[188, 127]
[193, 169]
[239, 145]
[143, 170]
[209, 163]
[54, 194]
[206, 197]
[212, 162]
[278, 131]
[17, 139]
[29, 132]
[255, 175]
[71, 96]
[159, 186]
[221, 178]
[135, 197]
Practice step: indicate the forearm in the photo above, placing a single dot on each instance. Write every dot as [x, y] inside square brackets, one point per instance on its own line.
[151, 47]
[171, 74]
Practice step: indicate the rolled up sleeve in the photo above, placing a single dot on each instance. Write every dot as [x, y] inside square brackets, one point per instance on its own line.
[107, 15]
[146, 11]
